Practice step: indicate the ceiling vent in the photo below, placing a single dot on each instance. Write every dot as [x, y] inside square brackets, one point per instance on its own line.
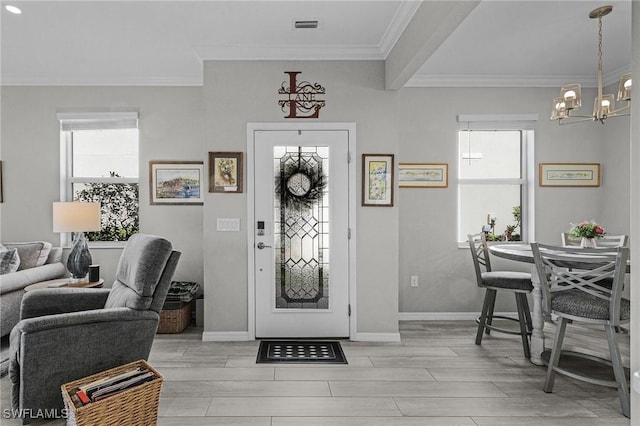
[306, 24]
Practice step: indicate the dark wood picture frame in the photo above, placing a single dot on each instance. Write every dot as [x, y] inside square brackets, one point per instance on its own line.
[377, 180]
[1, 191]
[225, 172]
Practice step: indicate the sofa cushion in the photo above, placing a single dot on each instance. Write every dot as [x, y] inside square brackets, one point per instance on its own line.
[32, 253]
[9, 260]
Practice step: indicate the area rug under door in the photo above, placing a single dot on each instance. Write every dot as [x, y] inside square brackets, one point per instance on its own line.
[301, 351]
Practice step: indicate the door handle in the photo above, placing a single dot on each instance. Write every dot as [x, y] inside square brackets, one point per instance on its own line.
[261, 245]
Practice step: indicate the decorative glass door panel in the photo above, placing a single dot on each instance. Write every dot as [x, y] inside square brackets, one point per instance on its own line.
[301, 227]
[301, 245]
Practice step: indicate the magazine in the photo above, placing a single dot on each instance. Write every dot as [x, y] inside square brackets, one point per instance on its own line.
[110, 385]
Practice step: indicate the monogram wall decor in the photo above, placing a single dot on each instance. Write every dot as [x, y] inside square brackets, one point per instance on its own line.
[301, 99]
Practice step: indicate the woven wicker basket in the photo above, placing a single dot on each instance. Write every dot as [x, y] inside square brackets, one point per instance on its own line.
[175, 320]
[136, 406]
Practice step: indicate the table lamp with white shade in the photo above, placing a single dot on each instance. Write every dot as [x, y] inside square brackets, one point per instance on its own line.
[78, 218]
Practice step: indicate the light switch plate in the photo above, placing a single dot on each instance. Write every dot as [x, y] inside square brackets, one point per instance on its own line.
[227, 224]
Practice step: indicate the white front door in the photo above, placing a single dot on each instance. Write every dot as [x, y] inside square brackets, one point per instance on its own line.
[301, 233]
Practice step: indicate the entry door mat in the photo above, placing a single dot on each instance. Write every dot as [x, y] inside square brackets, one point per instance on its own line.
[300, 352]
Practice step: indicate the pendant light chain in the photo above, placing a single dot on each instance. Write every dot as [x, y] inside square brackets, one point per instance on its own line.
[599, 112]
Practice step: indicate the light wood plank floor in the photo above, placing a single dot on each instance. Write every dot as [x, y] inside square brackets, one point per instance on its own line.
[435, 376]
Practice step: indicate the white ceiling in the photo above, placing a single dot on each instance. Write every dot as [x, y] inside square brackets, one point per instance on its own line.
[500, 43]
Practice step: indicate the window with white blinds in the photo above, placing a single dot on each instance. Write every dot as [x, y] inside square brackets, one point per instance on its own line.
[99, 162]
[495, 176]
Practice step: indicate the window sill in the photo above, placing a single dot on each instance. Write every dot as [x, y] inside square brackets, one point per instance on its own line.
[99, 245]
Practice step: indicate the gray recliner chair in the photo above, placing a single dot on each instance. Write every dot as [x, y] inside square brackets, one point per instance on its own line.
[65, 334]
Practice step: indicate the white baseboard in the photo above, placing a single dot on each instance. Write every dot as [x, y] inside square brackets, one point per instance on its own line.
[446, 316]
[226, 336]
[243, 336]
[376, 337]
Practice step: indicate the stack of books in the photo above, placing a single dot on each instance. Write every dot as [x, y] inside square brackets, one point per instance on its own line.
[110, 385]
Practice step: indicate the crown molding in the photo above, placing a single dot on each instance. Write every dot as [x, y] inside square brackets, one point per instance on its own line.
[104, 80]
[287, 53]
[452, 80]
[395, 29]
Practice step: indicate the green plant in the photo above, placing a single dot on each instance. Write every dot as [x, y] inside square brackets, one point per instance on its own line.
[509, 232]
[118, 209]
[494, 237]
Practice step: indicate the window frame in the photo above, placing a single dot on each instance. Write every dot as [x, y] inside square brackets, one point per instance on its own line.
[72, 122]
[524, 123]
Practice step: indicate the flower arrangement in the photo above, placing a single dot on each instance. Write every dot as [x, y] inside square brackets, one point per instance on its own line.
[587, 229]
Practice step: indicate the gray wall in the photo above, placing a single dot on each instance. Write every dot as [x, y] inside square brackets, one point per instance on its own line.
[635, 208]
[416, 237]
[170, 129]
[615, 175]
[428, 133]
[236, 93]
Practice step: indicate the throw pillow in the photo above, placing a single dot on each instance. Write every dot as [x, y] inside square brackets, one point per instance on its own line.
[31, 254]
[9, 261]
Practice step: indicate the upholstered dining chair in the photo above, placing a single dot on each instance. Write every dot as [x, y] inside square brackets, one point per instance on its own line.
[518, 283]
[576, 295]
[66, 334]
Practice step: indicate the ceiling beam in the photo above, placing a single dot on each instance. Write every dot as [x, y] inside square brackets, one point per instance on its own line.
[432, 23]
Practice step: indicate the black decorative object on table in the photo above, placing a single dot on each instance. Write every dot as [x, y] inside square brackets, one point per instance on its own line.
[94, 273]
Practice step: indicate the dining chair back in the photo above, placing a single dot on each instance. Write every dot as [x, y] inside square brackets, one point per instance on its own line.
[610, 241]
[604, 241]
[519, 283]
[613, 241]
[573, 289]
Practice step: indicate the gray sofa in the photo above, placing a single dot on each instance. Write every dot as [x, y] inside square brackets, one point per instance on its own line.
[39, 261]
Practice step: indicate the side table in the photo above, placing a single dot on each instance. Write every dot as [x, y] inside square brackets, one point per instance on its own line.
[64, 283]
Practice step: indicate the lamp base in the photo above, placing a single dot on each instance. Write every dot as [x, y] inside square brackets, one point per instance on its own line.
[79, 258]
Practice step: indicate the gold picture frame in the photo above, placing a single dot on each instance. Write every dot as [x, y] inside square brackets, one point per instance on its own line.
[423, 175]
[176, 182]
[569, 174]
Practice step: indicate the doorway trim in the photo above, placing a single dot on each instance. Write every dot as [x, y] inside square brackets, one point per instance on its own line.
[350, 128]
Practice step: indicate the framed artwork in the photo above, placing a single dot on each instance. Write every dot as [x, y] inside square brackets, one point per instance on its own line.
[377, 180]
[569, 174]
[176, 182]
[225, 172]
[423, 175]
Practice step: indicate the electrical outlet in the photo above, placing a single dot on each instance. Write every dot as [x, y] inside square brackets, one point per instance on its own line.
[414, 281]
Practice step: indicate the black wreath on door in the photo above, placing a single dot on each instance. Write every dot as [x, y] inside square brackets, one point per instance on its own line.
[300, 185]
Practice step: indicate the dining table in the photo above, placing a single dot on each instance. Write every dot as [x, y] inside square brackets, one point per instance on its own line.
[522, 252]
